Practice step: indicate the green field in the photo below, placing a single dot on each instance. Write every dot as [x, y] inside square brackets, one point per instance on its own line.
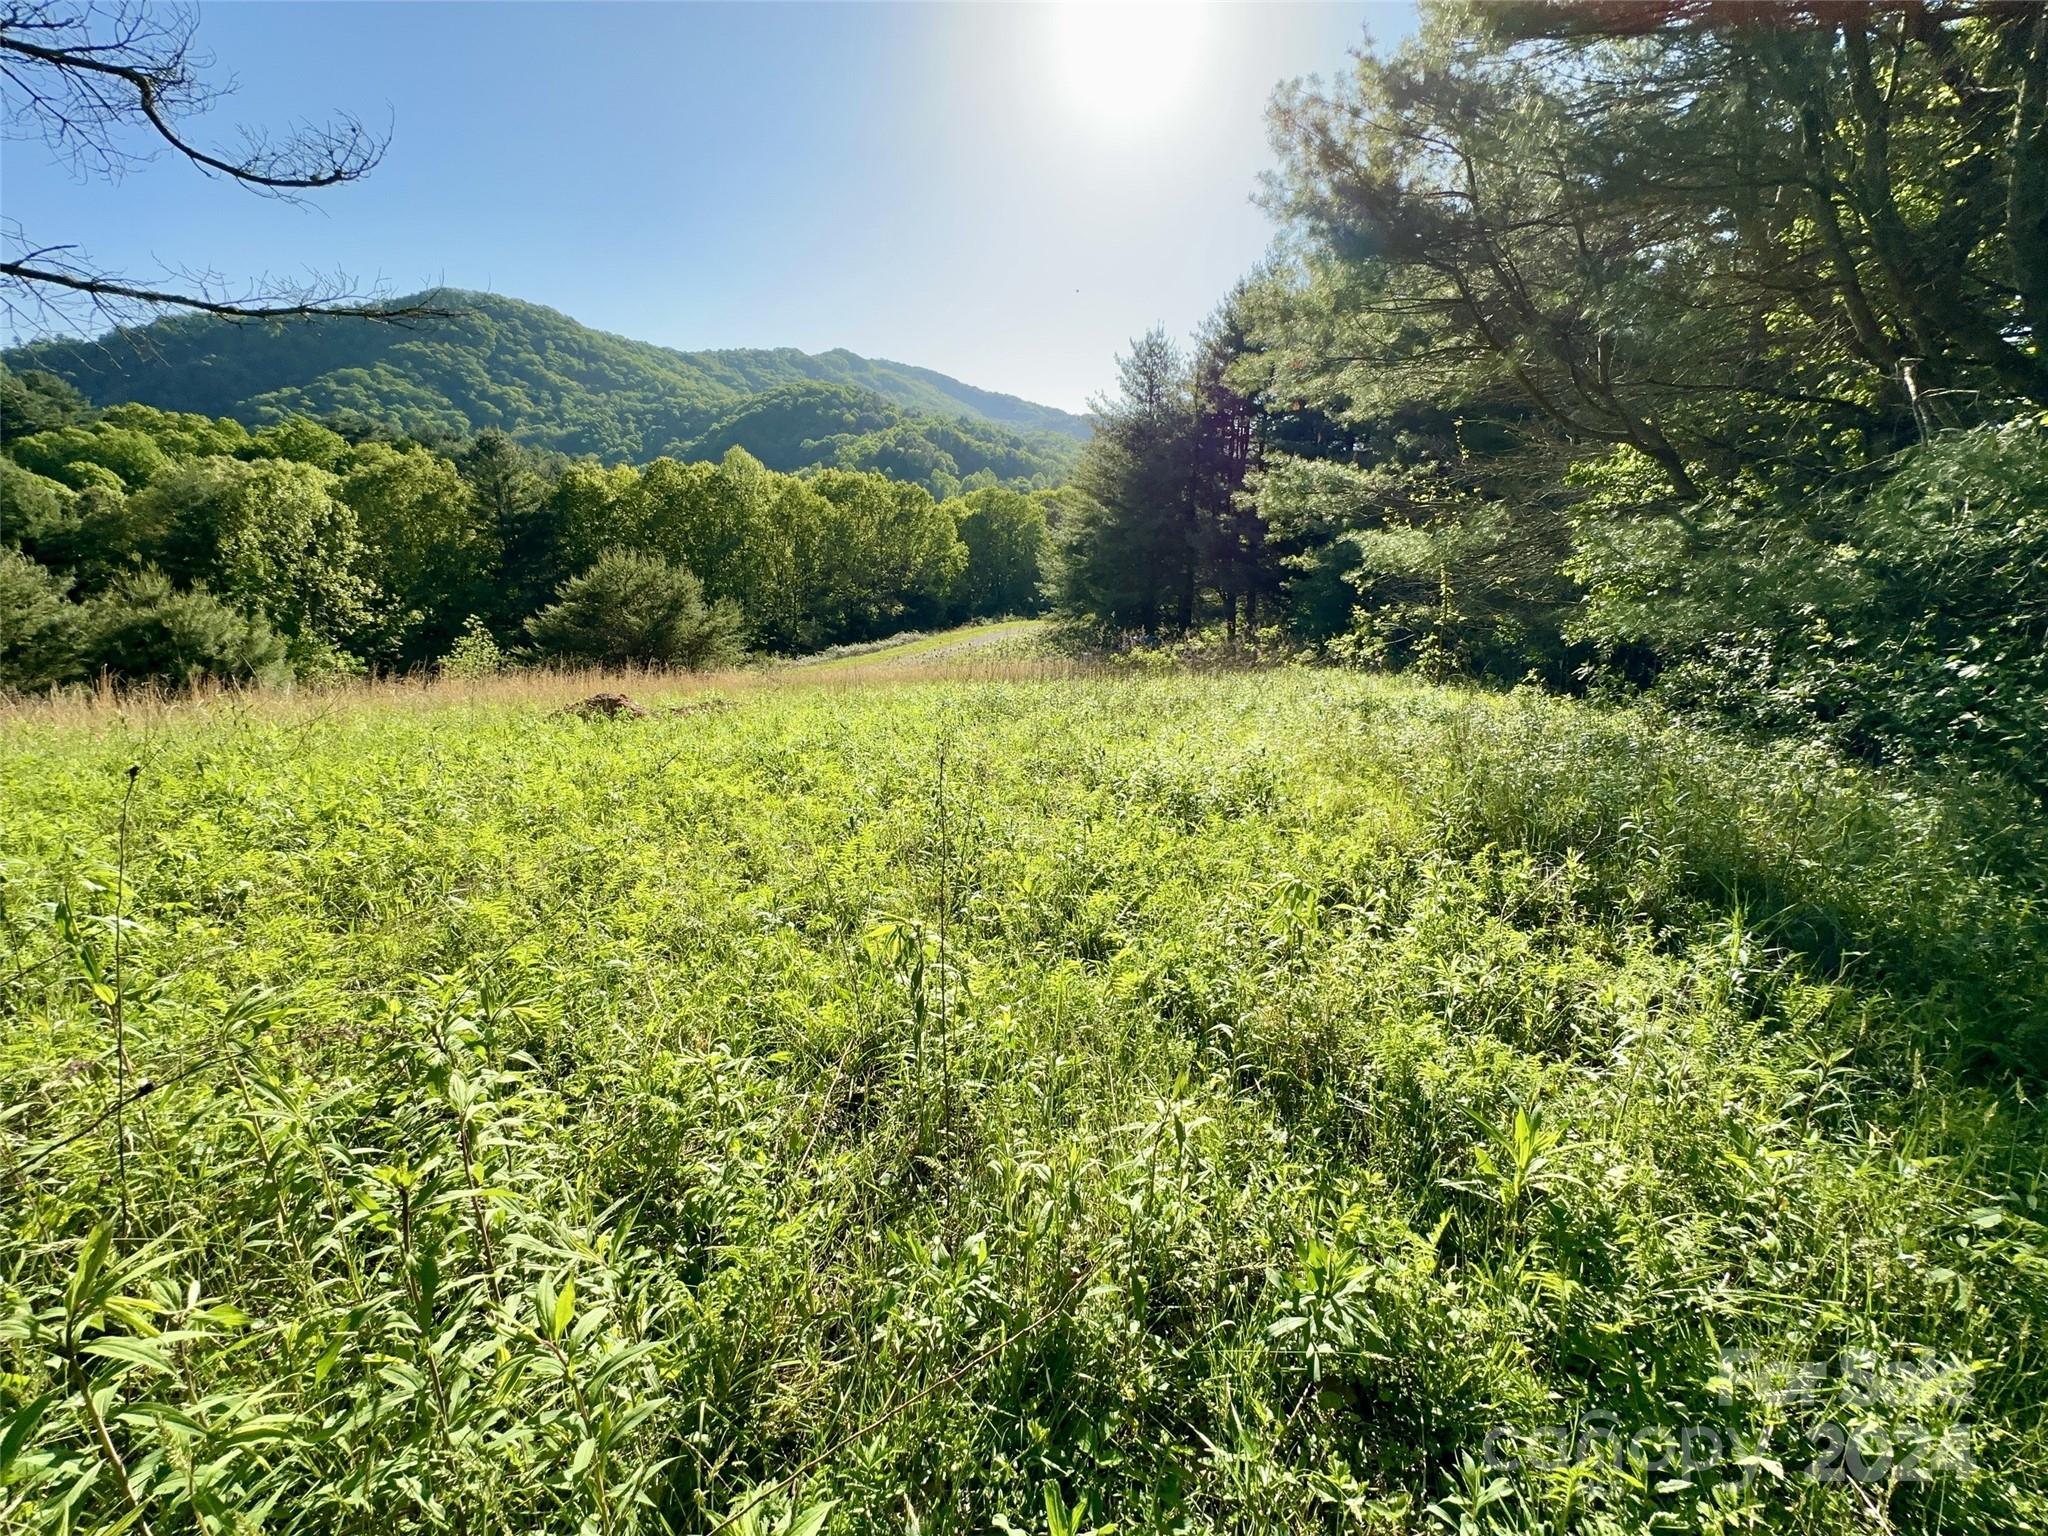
[1005, 639]
[1288, 1101]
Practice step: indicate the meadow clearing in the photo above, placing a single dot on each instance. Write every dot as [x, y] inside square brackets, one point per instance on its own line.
[1009, 1099]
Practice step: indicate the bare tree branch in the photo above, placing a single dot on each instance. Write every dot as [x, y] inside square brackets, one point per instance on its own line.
[91, 79]
[328, 305]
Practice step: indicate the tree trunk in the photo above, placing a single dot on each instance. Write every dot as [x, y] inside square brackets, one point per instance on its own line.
[2026, 204]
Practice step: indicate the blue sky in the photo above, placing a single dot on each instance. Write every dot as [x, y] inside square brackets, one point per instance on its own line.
[1005, 193]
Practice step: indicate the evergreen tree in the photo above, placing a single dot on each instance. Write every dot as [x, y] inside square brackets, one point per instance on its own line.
[631, 609]
[511, 486]
[1133, 559]
[1225, 444]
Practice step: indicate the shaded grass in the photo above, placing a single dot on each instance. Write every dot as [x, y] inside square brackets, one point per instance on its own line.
[1392, 1065]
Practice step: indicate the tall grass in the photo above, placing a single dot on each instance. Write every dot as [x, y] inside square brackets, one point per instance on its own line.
[125, 705]
[1250, 1103]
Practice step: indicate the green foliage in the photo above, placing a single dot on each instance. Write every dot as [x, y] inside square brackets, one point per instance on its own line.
[84, 475]
[39, 630]
[1411, 566]
[636, 610]
[832, 557]
[33, 508]
[270, 535]
[787, 428]
[1618, 346]
[99, 454]
[181, 434]
[551, 383]
[890, 554]
[946, 457]
[90, 536]
[1907, 618]
[302, 441]
[1238, 1103]
[475, 653]
[379, 552]
[427, 549]
[754, 534]
[510, 484]
[146, 627]
[36, 401]
[1002, 535]
[830, 424]
[1129, 559]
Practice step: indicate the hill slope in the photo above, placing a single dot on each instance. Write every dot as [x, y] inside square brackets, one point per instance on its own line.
[549, 381]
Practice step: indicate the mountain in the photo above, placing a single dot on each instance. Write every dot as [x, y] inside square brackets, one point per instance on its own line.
[549, 381]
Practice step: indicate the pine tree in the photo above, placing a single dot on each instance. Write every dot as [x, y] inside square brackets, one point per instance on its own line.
[1135, 560]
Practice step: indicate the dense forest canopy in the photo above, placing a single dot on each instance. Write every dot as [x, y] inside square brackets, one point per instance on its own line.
[141, 543]
[1687, 345]
[547, 381]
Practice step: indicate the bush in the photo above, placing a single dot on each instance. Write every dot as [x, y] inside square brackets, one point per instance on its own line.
[631, 609]
[1908, 620]
[39, 629]
[475, 652]
[314, 658]
[144, 627]
[1955, 646]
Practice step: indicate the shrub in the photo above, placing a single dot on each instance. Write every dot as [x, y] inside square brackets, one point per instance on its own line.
[475, 652]
[39, 629]
[636, 609]
[1908, 620]
[145, 627]
[316, 659]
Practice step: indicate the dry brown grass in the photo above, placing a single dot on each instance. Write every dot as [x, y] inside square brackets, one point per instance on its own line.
[541, 688]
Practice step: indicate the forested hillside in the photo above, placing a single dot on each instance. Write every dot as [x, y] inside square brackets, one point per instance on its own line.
[143, 544]
[551, 383]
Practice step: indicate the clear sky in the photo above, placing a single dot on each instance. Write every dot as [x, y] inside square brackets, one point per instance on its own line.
[1006, 193]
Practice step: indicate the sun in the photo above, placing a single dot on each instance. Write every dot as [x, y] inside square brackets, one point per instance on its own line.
[1126, 67]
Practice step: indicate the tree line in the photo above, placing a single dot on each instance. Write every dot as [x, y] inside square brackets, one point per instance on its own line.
[141, 543]
[1685, 346]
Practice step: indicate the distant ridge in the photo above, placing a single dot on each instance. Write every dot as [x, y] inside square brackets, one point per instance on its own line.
[555, 383]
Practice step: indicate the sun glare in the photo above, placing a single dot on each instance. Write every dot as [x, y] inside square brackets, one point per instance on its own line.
[1126, 67]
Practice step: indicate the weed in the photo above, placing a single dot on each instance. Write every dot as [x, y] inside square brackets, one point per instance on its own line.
[1240, 1102]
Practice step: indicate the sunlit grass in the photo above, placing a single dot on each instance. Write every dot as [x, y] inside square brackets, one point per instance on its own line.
[1229, 1098]
[992, 641]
